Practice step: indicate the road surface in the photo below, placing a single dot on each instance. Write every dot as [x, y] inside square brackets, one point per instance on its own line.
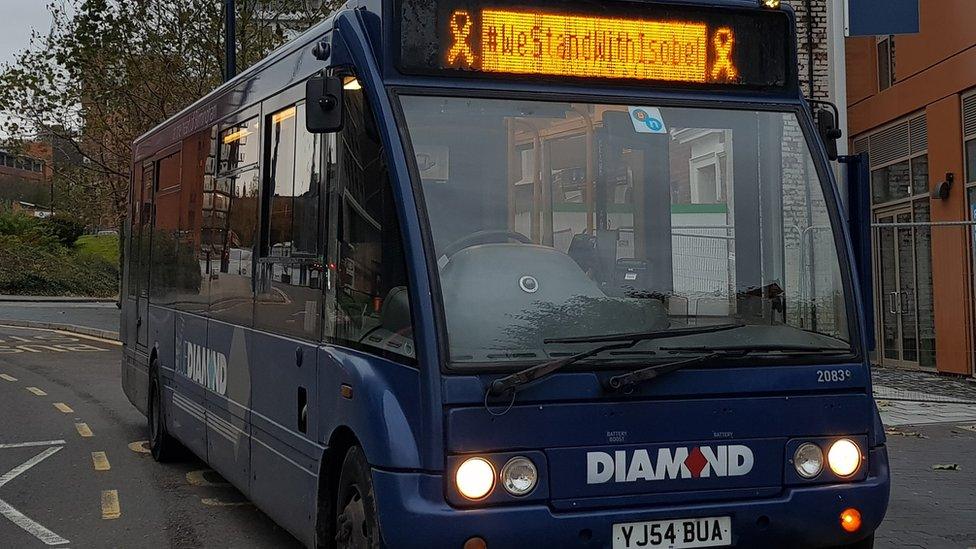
[73, 467]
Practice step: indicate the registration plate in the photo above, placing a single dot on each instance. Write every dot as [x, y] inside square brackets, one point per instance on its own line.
[674, 534]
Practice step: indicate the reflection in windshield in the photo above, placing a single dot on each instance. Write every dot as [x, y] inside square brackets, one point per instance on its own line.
[554, 220]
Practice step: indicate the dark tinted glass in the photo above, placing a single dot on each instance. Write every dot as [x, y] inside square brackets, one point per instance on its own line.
[891, 182]
[971, 160]
[292, 260]
[373, 309]
[239, 146]
[234, 214]
[165, 267]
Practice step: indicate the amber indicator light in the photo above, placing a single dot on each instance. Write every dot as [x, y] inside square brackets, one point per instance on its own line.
[850, 520]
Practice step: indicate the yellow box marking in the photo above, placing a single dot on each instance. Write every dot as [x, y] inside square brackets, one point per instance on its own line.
[37, 391]
[100, 461]
[63, 407]
[8, 377]
[84, 430]
[140, 447]
[110, 505]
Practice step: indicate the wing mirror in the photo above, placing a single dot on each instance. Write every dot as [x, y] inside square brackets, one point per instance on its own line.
[323, 104]
[825, 116]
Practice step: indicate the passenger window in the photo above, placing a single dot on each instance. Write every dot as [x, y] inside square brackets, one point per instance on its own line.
[291, 262]
[230, 212]
[372, 309]
[167, 262]
[239, 146]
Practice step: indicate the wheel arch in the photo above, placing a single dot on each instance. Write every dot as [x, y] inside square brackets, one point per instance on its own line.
[341, 440]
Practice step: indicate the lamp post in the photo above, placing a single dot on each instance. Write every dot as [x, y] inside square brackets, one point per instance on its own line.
[230, 40]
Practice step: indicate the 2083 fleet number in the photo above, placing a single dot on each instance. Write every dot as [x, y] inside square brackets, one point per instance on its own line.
[833, 376]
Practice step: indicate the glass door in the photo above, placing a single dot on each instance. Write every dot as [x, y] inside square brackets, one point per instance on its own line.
[897, 295]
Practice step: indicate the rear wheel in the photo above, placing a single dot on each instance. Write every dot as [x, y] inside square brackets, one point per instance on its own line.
[162, 446]
[357, 523]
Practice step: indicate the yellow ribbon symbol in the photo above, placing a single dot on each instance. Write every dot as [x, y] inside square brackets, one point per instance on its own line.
[723, 41]
[460, 30]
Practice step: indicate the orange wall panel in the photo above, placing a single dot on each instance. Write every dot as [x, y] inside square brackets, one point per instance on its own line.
[947, 28]
[862, 69]
[949, 78]
[950, 268]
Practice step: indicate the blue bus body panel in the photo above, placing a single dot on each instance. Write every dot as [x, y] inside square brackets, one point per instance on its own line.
[384, 411]
[414, 515]
[185, 407]
[413, 421]
[228, 415]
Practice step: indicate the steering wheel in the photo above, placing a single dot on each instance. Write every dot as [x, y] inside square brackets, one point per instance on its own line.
[484, 237]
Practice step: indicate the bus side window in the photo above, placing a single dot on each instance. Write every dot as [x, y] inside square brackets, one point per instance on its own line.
[230, 217]
[165, 257]
[291, 263]
[372, 306]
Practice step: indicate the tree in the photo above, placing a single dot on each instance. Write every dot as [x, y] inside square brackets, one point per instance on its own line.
[110, 70]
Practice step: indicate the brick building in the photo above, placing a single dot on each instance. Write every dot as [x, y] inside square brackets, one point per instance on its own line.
[912, 108]
[25, 175]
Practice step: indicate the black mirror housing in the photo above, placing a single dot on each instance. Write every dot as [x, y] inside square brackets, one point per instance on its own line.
[323, 104]
[829, 132]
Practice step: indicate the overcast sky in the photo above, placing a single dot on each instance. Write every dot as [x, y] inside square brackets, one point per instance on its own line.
[17, 18]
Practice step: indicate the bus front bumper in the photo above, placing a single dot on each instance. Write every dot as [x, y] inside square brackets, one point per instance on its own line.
[413, 513]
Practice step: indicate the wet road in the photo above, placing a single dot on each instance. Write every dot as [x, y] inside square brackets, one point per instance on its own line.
[74, 471]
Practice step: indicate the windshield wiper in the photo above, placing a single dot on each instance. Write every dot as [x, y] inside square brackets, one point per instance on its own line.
[613, 342]
[630, 379]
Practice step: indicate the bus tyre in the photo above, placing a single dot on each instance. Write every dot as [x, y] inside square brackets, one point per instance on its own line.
[357, 523]
[162, 446]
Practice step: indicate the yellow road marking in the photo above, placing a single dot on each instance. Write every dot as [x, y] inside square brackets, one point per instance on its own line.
[84, 430]
[110, 505]
[214, 502]
[100, 461]
[63, 407]
[196, 478]
[8, 377]
[140, 446]
[37, 391]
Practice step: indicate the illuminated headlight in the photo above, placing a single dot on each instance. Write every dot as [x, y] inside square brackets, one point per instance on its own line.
[774, 4]
[808, 460]
[475, 478]
[844, 458]
[519, 476]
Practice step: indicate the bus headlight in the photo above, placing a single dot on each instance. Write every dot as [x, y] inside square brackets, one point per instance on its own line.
[519, 476]
[475, 478]
[844, 457]
[808, 460]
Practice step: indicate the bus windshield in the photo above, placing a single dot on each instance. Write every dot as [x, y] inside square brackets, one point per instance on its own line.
[557, 220]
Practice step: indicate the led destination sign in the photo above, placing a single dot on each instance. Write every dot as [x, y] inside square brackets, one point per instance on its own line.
[626, 42]
[565, 45]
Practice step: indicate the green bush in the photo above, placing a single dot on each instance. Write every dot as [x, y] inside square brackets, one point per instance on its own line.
[31, 269]
[16, 223]
[66, 228]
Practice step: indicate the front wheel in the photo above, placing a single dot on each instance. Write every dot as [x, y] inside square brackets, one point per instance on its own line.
[357, 523]
[161, 444]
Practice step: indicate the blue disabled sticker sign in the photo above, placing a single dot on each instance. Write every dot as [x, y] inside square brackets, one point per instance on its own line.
[647, 120]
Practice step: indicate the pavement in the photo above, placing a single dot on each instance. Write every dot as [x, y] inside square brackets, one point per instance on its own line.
[99, 315]
[74, 471]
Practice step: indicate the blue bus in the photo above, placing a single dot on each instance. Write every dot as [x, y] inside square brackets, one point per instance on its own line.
[487, 273]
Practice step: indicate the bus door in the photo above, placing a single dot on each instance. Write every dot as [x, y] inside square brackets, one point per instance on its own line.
[289, 282]
[139, 253]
